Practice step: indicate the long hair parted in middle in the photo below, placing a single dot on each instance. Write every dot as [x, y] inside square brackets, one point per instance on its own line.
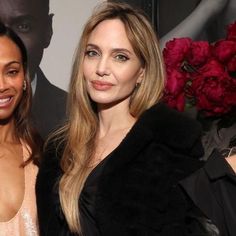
[80, 131]
[23, 125]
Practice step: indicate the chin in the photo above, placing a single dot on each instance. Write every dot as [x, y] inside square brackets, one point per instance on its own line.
[101, 100]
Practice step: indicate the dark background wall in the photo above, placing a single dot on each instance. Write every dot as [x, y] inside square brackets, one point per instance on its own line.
[172, 12]
[150, 7]
[164, 14]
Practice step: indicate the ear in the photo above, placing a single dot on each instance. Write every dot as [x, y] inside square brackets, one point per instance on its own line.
[141, 75]
[48, 31]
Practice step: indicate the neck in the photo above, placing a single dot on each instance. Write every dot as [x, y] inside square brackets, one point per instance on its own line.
[114, 118]
[7, 132]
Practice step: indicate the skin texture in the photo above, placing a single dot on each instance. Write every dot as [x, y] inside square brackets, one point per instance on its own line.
[232, 161]
[32, 24]
[11, 89]
[11, 78]
[111, 68]
[111, 71]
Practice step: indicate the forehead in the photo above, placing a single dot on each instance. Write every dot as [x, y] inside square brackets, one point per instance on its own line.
[111, 32]
[11, 9]
[114, 25]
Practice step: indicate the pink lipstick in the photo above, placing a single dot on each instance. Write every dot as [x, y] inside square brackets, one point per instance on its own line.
[101, 85]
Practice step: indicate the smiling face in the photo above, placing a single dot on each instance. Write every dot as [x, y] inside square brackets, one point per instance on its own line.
[11, 78]
[31, 22]
[111, 68]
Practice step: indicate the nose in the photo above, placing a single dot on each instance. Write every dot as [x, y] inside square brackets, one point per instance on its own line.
[103, 67]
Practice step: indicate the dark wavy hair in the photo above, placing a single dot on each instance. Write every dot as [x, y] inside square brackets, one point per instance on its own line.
[22, 115]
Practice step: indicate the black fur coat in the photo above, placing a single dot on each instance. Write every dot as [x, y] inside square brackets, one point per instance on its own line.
[138, 191]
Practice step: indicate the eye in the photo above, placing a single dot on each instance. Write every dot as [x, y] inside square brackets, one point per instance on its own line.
[91, 53]
[12, 72]
[23, 27]
[121, 57]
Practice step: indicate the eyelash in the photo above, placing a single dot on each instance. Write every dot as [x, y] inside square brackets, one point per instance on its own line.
[118, 57]
[89, 52]
[121, 57]
[23, 27]
[12, 73]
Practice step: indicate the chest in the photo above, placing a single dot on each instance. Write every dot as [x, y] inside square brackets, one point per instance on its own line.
[11, 180]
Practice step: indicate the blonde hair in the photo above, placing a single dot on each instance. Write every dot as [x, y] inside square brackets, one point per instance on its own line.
[80, 131]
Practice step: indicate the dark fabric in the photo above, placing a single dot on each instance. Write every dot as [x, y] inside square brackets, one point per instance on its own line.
[87, 201]
[49, 106]
[213, 190]
[52, 221]
[137, 191]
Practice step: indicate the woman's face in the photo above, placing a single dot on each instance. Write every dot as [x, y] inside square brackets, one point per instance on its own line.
[11, 77]
[111, 68]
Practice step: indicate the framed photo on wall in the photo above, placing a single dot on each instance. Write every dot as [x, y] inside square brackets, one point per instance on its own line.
[150, 7]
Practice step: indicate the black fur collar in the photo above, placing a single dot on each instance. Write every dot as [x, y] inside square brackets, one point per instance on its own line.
[169, 127]
[162, 125]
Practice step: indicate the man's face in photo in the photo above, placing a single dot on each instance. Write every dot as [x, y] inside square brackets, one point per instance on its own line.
[30, 20]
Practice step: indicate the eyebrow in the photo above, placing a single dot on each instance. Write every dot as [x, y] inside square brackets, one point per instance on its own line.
[23, 17]
[93, 46]
[113, 50]
[13, 62]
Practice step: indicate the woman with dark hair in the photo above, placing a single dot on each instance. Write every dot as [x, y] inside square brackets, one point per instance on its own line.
[20, 146]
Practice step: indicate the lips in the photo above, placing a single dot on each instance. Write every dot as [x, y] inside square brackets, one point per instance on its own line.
[5, 101]
[101, 85]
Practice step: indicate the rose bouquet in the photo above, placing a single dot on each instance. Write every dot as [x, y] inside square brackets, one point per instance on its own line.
[203, 76]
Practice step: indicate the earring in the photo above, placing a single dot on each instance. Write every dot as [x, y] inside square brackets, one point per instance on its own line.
[137, 85]
[24, 85]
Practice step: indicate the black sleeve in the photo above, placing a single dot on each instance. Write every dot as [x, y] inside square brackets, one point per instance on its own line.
[47, 178]
[197, 223]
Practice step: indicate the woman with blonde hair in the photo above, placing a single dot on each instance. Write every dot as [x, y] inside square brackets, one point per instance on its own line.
[113, 168]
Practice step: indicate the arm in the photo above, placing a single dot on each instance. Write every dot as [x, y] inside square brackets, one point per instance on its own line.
[191, 26]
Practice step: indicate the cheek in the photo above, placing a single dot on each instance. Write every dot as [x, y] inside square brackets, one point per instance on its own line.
[20, 89]
[30, 44]
[34, 51]
[128, 77]
[88, 70]
[18, 83]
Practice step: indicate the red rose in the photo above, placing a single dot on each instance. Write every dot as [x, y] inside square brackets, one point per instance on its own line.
[230, 99]
[175, 82]
[175, 51]
[231, 65]
[175, 89]
[210, 88]
[224, 50]
[199, 53]
[212, 69]
[202, 74]
[231, 31]
[210, 97]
